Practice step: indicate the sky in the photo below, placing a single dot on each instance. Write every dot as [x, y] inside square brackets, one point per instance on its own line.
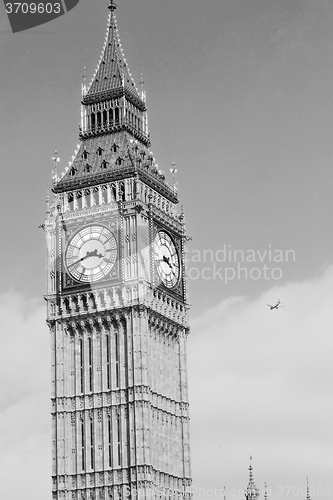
[240, 97]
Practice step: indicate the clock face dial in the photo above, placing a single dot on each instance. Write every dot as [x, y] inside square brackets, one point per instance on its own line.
[166, 259]
[91, 253]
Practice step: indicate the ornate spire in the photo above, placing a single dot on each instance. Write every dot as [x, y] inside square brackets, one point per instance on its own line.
[307, 489]
[252, 492]
[112, 71]
[111, 103]
[114, 136]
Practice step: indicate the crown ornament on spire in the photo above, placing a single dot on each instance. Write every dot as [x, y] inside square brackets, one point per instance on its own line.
[112, 6]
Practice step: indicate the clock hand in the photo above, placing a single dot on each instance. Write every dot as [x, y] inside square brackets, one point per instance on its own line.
[80, 260]
[95, 254]
[167, 260]
[88, 254]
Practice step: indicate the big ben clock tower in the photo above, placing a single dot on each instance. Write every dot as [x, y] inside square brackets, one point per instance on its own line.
[116, 305]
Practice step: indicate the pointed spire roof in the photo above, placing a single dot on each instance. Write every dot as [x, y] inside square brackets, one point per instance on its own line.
[112, 71]
[252, 492]
[114, 137]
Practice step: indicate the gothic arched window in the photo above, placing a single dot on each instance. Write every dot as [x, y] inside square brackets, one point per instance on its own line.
[99, 119]
[116, 113]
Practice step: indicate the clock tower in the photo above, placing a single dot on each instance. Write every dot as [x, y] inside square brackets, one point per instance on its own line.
[116, 304]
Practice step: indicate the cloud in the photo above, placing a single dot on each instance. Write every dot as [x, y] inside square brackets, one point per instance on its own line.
[25, 422]
[261, 383]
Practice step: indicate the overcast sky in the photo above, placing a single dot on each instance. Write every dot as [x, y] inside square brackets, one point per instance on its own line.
[240, 96]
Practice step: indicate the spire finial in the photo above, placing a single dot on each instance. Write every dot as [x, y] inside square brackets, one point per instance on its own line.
[84, 77]
[141, 83]
[173, 170]
[307, 489]
[55, 159]
[251, 468]
[112, 6]
[47, 202]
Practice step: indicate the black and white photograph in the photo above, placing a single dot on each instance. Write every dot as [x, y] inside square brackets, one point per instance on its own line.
[166, 262]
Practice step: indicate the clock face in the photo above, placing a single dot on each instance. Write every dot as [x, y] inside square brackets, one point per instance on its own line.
[166, 259]
[91, 253]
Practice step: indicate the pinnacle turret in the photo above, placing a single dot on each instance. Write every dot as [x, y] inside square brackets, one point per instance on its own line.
[252, 492]
[307, 489]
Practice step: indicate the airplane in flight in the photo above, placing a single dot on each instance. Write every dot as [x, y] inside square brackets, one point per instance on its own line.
[277, 305]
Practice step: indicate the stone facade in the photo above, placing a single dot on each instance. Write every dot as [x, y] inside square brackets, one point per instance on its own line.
[116, 305]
